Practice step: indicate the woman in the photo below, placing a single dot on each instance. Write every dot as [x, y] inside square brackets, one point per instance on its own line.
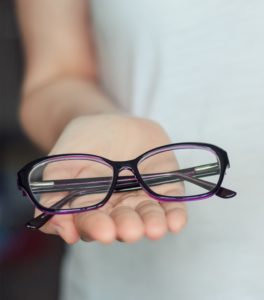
[98, 73]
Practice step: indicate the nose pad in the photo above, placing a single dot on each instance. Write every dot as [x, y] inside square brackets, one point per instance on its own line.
[126, 180]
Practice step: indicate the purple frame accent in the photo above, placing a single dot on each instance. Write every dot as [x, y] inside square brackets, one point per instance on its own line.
[118, 166]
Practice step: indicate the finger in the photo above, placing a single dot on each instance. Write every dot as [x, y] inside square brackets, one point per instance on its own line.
[176, 215]
[63, 226]
[95, 226]
[129, 226]
[153, 217]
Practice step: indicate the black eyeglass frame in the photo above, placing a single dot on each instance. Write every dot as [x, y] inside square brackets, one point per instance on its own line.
[118, 166]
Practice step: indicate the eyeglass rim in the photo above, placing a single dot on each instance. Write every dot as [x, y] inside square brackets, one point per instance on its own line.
[24, 185]
[219, 152]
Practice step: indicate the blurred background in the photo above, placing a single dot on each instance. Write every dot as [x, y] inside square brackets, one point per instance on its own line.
[29, 261]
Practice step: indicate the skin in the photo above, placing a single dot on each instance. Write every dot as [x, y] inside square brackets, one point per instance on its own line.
[64, 110]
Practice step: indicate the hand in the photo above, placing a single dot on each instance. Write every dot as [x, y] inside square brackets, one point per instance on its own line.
[126, 216]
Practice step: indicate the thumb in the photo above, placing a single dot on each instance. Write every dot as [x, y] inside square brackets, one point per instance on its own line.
[63, 226]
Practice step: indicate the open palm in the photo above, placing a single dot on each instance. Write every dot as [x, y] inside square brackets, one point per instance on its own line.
[127, 216]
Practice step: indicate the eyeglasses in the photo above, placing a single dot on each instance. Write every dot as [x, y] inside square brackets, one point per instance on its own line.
[73, 183]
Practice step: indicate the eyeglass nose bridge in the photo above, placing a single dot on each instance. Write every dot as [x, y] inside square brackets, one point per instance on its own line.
[127, 182]
[129, 165]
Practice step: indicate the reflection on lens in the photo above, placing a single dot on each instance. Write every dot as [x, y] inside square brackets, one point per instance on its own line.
[180, 171]
[71, 183]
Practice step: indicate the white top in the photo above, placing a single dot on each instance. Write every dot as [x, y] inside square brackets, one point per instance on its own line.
[197, 67]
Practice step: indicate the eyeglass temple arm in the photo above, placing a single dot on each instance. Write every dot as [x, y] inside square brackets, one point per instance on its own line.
[132, 184]
[43, 218]
[181, 175]
[127, 183]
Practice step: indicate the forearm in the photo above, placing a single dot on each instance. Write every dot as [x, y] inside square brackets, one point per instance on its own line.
[45, 111]
[60, 67]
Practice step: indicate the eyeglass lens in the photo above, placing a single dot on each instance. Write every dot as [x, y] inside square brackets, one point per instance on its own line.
[180, 172]
[73, 183]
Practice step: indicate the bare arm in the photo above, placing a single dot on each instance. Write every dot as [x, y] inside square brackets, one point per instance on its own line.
[63, 110]
[60, 81]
